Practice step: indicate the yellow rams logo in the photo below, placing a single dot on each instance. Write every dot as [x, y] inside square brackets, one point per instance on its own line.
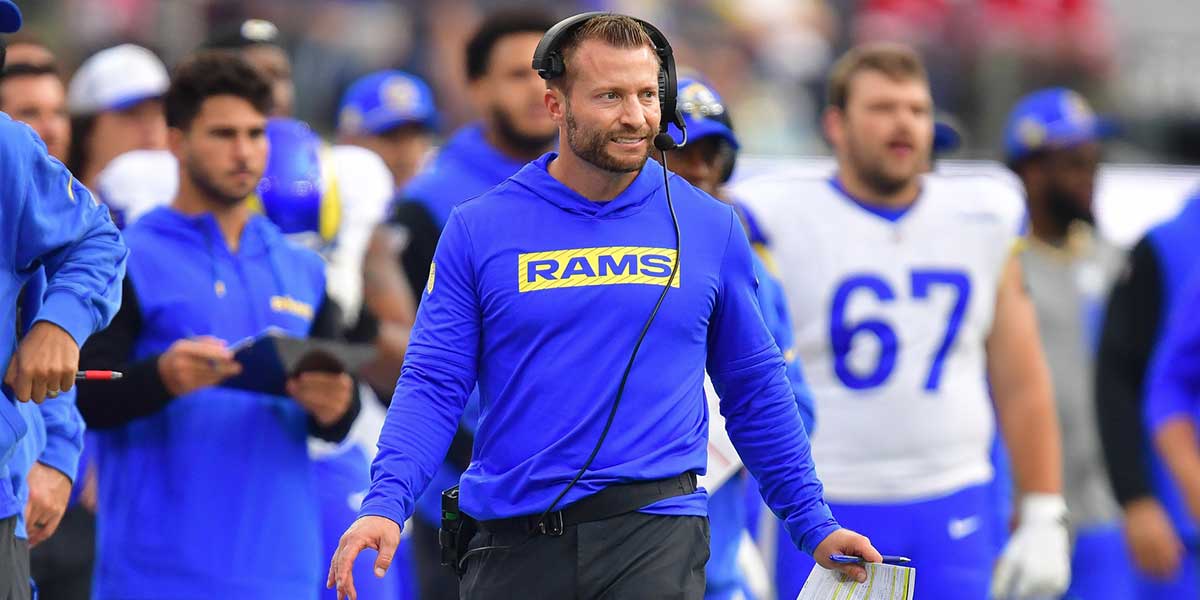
[609, 265]
[1031, 133]
[432, 273]
[292, 306]
[400, 94]
[699, 101]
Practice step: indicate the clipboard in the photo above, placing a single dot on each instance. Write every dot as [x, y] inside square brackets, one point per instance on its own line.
[271, 357]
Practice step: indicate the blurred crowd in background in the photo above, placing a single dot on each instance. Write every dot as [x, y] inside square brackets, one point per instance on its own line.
[1132, 59]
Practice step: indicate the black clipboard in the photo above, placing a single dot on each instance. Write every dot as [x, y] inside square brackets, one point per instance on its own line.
[270, 358]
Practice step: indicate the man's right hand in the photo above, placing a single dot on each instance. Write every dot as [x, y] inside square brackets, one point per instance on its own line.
[191, 364]
[1157, 550]
[379, 533]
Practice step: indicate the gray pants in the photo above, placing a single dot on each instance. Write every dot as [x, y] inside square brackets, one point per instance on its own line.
[14, 563]
[630, 556]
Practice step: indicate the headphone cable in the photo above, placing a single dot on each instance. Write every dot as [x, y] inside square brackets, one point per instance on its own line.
[612, 413]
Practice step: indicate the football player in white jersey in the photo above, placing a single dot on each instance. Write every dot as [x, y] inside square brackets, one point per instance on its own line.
[911, 320]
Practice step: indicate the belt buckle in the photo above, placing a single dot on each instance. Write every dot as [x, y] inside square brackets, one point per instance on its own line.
[552, 524]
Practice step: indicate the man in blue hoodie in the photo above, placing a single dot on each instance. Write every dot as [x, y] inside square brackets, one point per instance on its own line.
[63, 258]
[574, 497]
[207, 491]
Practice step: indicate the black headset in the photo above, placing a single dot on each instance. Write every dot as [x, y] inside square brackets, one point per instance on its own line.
[549, 63]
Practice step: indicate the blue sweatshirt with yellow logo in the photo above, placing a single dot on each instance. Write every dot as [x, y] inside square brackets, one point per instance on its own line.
[539, 294]
[209, 494]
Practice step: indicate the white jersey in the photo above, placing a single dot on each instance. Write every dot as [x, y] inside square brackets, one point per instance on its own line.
[891, 318]
[136, 182]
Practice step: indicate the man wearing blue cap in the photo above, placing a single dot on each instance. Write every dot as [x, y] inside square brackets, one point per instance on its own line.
[391, 113]
[1053, 144]
[64, 258]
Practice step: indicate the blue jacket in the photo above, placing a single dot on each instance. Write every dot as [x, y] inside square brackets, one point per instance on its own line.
[539, 295]
[212, 496]
[466, 166]
[49, 224]
[1168, 383]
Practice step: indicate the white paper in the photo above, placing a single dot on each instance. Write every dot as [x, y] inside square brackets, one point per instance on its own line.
[884, 582]
[723, 459]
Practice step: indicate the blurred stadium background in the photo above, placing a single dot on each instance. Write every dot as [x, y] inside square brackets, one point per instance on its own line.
[1131, 58]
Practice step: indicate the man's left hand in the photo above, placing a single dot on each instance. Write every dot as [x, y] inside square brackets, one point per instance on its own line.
[49, 491]
[844, 541]
[326, 396]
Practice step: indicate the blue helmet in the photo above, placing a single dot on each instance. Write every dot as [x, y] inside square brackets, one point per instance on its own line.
[703, 112]
[298, 191]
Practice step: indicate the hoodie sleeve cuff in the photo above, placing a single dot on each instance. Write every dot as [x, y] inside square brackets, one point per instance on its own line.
[69, 312]
[812, 538]
[62, 456]
[385, 509]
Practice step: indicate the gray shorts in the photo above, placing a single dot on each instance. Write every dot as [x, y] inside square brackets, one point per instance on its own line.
[14, 563]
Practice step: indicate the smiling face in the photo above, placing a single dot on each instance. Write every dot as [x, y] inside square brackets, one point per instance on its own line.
[885, 132]
[608, 109]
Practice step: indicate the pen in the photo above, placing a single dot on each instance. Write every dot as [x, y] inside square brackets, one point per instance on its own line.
[854, 560]
[98, 375]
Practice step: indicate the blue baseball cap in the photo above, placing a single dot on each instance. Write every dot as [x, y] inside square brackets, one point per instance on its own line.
[10, 17]
[703, 112]
[1050, 119]
[384, 100]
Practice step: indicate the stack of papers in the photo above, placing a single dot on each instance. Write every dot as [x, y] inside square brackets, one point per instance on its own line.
[884, 582]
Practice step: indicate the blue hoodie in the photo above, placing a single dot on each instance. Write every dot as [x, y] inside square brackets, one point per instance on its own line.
[539, 294]
[212, 496]
[49, 224]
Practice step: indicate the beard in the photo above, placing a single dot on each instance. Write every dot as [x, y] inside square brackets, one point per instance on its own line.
[1065, 209]
[523, 142]
[589, 144]
[874, 173]
[211, 189]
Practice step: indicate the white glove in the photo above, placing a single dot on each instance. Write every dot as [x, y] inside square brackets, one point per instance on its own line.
[1037, 560]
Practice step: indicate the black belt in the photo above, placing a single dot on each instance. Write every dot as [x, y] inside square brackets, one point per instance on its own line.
[608, 502]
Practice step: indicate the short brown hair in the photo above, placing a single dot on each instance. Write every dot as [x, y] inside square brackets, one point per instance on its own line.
[210, 73]
[618, 31]
[897, 61]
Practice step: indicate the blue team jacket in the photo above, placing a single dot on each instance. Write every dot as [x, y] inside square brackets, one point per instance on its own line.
[1170, 370]
[53, 234]
[213, 496]
[538, 294]
[466, 166]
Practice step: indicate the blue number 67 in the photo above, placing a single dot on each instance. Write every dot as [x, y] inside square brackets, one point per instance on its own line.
[842, 333]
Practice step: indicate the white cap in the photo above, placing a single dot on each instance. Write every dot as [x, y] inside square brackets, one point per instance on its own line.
[115, 79]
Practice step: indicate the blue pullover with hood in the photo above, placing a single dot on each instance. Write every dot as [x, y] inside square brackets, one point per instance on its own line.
[209, 494]
[61, 246]
[539, 294]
